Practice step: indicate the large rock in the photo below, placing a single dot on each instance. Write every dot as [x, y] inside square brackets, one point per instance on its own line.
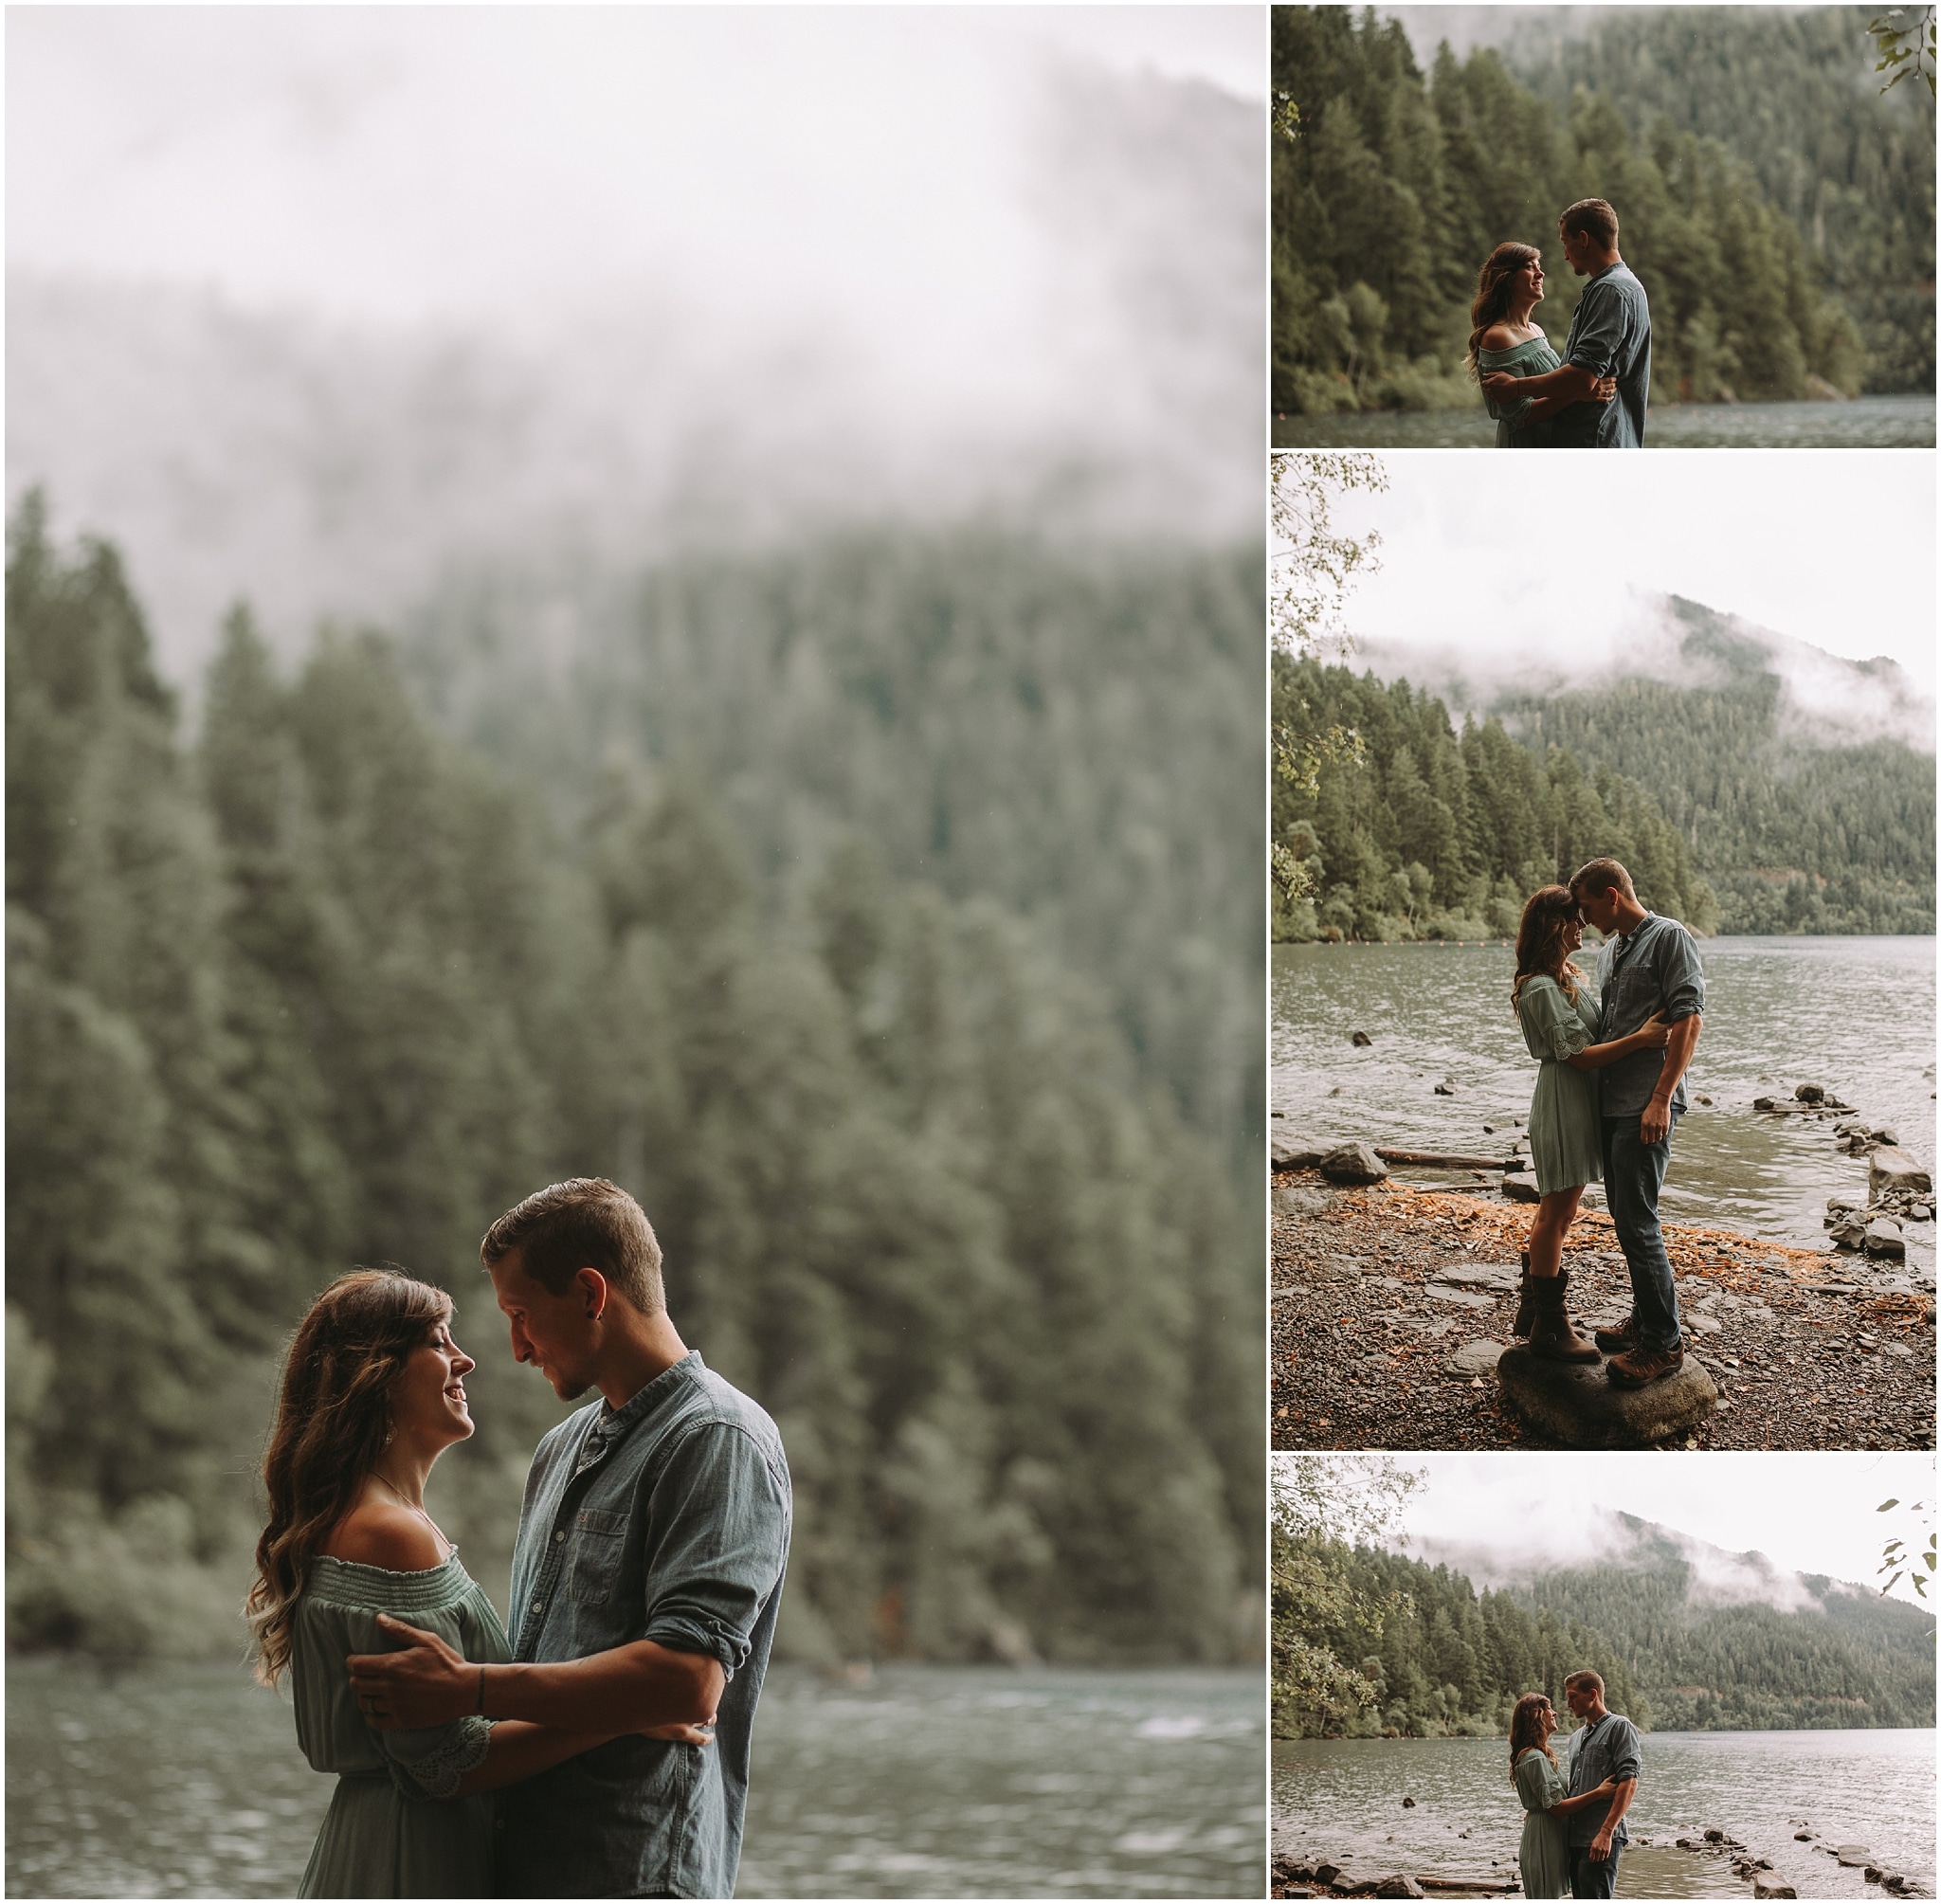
[1892, 1168]
[1771, 1884]
[1883, 1238]
[1400, 1885]
[1854, 1855]
[1353, 1164]
[1293, 1153]
[1577, 1404]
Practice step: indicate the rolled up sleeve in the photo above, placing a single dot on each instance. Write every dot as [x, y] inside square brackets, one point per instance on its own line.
[1600, 333]
[720, 1541]
[1627, 1757]
[1681, 978]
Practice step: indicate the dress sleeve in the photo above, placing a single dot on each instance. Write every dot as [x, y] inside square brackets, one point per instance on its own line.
[1511, 413]
[1553, 1023]
[1535, 1782]
[719, 1545]
[426, 1762]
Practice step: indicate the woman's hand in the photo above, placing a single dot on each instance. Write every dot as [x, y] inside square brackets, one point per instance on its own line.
[1651, 1035]
[687, 1736]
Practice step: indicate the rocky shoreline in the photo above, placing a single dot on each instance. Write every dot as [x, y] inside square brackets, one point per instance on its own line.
[1392, 1302]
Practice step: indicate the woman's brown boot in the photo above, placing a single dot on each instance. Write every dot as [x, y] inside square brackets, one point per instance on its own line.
[1526, 1302]
[1553, 1336]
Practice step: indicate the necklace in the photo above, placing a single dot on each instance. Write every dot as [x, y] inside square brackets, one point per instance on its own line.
[418, 1511]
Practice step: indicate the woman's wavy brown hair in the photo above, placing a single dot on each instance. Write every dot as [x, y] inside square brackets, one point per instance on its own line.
[1540, 942]
[1527, 1731]
[332, 1419]
[1493, 283]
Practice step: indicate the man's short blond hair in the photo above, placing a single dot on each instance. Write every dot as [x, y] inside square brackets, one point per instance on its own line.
[1587, 1677]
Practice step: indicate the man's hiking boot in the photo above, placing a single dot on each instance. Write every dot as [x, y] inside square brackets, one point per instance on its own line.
[1526, 1304]
[1552, 1337]
[1619, 1336]
[1637, 1367]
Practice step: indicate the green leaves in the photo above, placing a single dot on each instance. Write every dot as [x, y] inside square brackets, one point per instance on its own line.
[1905, 37]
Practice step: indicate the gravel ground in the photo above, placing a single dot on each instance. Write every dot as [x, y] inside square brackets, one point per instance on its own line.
[1376, 1290]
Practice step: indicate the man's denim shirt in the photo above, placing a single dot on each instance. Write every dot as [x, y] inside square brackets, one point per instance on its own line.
[665, 1521]
[1610, 337]
[1607, 1748]
[1652, 970]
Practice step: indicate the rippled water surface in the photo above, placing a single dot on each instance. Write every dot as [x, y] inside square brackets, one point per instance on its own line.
[187, 1781]
[1854, 1014]
[1866, 423]
[1342, 1798]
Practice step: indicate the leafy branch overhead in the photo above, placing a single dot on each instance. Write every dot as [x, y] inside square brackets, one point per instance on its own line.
[1895, 1554]
[1315, 566]
[1906, 44]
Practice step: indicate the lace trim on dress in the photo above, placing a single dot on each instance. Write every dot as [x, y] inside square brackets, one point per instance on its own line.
[437, 1774]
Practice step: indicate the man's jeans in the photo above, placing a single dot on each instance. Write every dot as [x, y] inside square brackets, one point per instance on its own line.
[1633, 1175]
[1593, 1876]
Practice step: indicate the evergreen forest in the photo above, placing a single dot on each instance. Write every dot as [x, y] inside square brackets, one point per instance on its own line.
[1777, 208]
[953, 1172]
[1727, 812]
[1371, 1643]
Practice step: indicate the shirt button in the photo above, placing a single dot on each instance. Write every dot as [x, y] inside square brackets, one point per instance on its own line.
[560, 1535]
[536, 1606]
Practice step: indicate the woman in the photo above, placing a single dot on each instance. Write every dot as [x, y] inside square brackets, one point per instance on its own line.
[374, 1393]
[1554, 1005]
[1543, 1858]
[1507, 289]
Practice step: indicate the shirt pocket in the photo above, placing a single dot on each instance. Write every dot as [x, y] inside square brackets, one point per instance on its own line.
[598, 1548]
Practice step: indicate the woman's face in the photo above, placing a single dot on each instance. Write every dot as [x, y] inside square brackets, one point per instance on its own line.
[428, 1394]
[1529, 280]
[1546, 1720]
[1573, 935]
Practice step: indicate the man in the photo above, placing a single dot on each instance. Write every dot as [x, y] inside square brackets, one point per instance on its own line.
[1605, 1745]
[1648, 969]
[645, 1578]
[1610, 337]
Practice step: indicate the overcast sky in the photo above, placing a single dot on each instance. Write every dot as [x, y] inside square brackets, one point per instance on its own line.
[1813, 1513]
[1505, 557]
[521, 163]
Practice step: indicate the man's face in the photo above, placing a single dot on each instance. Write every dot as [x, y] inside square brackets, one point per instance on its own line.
[1581, 1699]
[554, 1333]
[1599, 909]
[1579, 253]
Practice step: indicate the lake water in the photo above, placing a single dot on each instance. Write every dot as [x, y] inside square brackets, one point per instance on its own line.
[1333, 1797]
[186, 1781]
[1866, 423]
[1854, 1014]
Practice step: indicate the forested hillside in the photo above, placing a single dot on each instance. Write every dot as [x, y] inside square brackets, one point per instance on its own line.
[1727, 808]
[328, 987]
[1419, 833]
[1794, 834]
[1791, 92]
[1073, 732]
[1850, 1659]
[1370, 1643]
[1774, 269]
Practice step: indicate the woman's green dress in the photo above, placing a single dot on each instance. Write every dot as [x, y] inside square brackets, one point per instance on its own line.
[1566, 1128]
[393, 1829]
[1531, 359]
[1543, 1858]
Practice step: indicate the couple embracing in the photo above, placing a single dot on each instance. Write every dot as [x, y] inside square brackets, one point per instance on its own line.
[1573, 1823]
[600, 1747]
[1611, 1059]
[1594, 397]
